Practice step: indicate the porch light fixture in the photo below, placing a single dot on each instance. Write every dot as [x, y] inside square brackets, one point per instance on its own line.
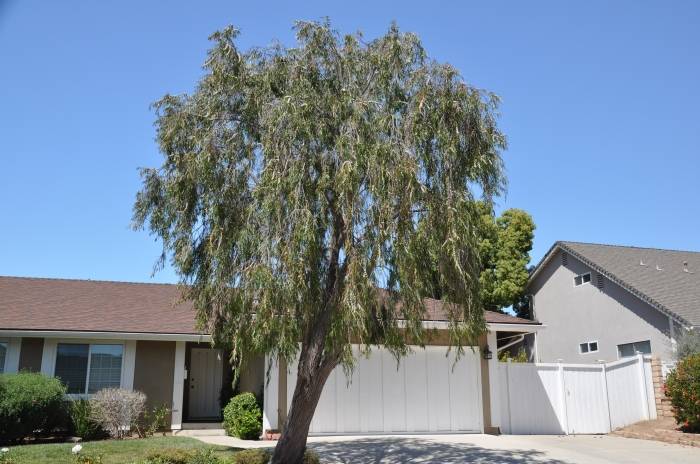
[487, 353]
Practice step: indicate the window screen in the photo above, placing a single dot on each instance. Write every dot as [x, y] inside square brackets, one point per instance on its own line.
[87, 368]
[71, 366]
[105, 367]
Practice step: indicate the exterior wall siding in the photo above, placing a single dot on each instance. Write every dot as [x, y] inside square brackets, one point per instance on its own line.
[153, 372]
[573, 315]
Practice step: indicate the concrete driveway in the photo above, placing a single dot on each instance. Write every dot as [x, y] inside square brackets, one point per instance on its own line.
[443, 449]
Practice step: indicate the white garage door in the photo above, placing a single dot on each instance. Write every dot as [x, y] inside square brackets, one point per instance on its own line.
[428, 393]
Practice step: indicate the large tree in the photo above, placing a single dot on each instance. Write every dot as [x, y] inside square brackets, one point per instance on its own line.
[506, 242]
[504, 246]
[297, 181]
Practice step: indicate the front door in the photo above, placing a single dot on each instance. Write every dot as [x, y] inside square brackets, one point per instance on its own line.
[206, 369]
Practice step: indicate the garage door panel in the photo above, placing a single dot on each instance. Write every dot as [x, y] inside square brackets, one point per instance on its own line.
[371, 393]
[393, 383]
[463, 378]
[438, 374]
[425, 392]
[416, 392]
[348, 404]
[324, 420]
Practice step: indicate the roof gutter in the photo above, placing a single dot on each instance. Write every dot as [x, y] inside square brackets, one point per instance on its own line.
[79, 334]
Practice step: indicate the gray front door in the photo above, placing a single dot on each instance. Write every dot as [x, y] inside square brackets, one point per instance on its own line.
[206, 368]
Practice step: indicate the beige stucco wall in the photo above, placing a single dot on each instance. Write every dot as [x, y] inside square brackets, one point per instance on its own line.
[252, 378]
[153, 372]
[30, 354]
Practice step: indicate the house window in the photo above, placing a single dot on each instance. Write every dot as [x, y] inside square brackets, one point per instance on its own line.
[88, 368]
[3, 355]
[588, 347]
[631, 349]
[582, 279]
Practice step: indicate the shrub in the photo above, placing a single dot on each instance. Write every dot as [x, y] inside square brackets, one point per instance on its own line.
[117, 410]
[243, 418]
[5, 457]
[87, 458]
[683, 387]
[153, 421]
[252, 456]
[262, 456]
[29, 404]
[181, 456]
[169, 456]
[84, 424]
[204, 457]
[311, 457]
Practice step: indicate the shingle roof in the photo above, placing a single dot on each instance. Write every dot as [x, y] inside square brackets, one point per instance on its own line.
[102, 306]
[667, 279]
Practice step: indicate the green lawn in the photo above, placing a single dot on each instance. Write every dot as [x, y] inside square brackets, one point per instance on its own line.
[112, 451]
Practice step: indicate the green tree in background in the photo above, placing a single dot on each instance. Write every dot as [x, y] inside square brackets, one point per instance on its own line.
[505, 253]
[504, 245]
[297, 181]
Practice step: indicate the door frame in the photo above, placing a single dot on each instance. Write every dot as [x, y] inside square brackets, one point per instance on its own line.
[227, 377]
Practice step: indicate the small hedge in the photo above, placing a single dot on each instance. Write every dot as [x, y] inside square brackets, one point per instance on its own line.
[182, 456]
[243, 418]
[683, 387]
[262, 456]
[30, 404]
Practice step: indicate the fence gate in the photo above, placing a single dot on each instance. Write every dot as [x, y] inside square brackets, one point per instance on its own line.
[575, 398]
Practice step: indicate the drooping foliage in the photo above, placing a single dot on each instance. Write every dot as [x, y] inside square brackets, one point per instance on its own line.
[504, 244]
[297, 181]
[300, 177]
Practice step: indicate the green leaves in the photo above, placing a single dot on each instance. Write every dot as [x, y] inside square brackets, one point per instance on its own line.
[297, 181]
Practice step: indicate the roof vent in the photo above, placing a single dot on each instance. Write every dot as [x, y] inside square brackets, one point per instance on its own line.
[600, 281]
[565, 259]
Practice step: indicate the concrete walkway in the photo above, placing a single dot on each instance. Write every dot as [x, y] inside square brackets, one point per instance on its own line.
[443, 449]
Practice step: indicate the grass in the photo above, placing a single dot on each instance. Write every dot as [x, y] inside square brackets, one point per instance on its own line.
[112, 451]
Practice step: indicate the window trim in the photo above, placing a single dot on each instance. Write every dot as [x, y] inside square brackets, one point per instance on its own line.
[6, 342]
[636, 353]
[582, 276]
[128, 361]
[588, 344]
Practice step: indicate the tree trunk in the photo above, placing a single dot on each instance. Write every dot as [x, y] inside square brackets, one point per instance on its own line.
[310, 381]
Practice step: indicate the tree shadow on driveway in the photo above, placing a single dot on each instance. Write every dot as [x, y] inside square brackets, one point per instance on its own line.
[397, 450]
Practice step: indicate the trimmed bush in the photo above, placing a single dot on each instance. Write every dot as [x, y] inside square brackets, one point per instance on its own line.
[252, 456]
[117, 410]
[243, 418]
[169, 456]
[29, 404]
[683, 387]
[181, 456]
[311, 457]
[84, 424]
[263, 456]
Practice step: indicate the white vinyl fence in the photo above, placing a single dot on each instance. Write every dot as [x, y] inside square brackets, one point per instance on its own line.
[575, 398]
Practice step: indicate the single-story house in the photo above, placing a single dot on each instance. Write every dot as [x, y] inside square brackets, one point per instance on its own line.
[97, 334]
[606, 302]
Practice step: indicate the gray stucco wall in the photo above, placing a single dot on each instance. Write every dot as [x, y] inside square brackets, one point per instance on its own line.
[574, 315]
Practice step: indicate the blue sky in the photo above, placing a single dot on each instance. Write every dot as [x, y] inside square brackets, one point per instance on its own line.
[600, 107]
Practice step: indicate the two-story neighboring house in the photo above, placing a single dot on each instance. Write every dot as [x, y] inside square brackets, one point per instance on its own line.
[606, 302]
